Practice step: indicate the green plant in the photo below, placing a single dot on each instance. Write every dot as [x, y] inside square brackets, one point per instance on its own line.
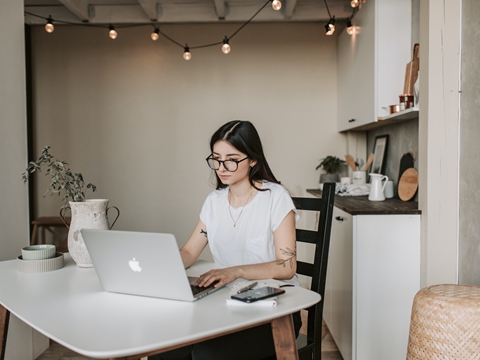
[62, 179]
[331, 164]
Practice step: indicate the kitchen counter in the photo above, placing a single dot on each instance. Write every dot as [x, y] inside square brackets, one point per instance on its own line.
[360, 205]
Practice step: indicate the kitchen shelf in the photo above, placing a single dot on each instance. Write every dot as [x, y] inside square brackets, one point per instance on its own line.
[360, 205]
[404, 115]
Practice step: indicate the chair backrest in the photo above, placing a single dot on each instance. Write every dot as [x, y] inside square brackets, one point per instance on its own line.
[317, 270]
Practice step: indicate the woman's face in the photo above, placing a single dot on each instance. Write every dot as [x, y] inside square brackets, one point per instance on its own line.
[222, 150]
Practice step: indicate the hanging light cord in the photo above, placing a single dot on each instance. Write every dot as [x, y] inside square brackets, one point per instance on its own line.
[326, 5]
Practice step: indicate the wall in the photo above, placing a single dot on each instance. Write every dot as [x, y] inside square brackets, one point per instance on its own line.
[402, 138]
[439, 123]
[22, 342]
[135, 118]
[469, 227]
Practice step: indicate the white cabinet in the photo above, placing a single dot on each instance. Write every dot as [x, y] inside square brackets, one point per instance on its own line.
[371, 63]
[373, 275]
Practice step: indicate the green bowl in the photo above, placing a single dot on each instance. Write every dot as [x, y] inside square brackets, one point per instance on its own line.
[38, 252]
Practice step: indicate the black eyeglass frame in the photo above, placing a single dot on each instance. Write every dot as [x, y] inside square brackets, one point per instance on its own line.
[222, 162]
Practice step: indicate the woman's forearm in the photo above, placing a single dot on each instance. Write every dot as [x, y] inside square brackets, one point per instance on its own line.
[279, 269]
[187, 258]
[271, 270]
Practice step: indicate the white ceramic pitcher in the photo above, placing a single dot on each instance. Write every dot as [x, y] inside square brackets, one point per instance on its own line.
[89, 214]
[376, 187]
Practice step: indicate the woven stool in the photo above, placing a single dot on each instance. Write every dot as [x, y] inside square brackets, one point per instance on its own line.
[445, 323]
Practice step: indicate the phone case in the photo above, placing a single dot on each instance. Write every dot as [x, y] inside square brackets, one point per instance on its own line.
[258, 294]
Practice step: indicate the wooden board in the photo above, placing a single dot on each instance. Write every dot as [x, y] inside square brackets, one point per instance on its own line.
[408, 184]
[406, 162]
[411, 73]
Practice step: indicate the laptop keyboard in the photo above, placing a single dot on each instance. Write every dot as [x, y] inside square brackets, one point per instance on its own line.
[198, 289]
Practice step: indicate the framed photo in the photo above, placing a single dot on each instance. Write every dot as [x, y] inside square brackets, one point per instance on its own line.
[380, 152]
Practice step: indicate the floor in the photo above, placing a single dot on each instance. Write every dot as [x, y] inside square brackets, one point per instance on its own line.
[58, 352]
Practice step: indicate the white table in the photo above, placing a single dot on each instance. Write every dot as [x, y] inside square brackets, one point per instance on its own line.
[70, 307]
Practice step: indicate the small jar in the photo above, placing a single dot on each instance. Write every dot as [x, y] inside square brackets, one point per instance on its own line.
[406, 101]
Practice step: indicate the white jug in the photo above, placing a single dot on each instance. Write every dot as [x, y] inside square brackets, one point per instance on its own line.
[376, 188]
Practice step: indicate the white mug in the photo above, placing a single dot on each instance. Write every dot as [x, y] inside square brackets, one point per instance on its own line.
[389, 190]
[359, 177]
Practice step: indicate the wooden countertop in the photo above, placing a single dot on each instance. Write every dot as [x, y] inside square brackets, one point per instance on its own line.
[360, 205]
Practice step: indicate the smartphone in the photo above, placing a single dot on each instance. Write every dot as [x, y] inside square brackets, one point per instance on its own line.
[258, 294]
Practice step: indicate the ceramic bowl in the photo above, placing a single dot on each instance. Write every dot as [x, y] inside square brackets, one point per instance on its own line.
[38, 252]
[40, 266]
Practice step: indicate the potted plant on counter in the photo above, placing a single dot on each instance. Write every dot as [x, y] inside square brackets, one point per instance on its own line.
[331, 165]
[85, 213]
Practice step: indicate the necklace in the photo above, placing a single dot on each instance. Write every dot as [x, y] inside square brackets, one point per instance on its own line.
[241, 211]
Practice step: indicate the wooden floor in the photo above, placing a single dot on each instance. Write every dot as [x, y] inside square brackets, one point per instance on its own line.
[58, 352]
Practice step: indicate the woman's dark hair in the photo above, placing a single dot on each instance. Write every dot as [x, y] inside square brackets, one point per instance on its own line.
[243, 136]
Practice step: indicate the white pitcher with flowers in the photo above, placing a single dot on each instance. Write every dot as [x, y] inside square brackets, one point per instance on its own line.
[90, 214]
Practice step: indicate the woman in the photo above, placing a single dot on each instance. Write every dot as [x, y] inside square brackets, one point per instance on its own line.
[249, 224]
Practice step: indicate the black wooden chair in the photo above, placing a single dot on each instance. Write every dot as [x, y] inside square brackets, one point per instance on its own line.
[310, 345]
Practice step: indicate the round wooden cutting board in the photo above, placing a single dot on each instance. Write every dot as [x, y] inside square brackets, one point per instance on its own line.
[408, 184]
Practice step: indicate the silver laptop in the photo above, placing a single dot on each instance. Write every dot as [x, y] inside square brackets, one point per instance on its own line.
[139, 263]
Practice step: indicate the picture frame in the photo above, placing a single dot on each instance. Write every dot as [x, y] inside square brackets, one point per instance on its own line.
[380, 152]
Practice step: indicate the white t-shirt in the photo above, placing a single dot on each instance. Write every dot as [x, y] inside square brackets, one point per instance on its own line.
[251, 241]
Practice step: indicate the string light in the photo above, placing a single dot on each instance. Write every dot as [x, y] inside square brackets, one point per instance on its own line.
[226, 47]
[112, 33]
[276, 5]
[49, 26]
[350, 28]
[330, 27]
[357, 3]
[155, 35]
[186, 54]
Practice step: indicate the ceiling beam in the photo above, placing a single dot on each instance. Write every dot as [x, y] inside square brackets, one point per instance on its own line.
[289, 8]
[220, 9]
[78, 7]
[150, 8]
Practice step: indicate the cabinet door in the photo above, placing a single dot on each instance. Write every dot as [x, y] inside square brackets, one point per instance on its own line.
[386, 269]
[338, 290]
[372, 63]
[356, 71]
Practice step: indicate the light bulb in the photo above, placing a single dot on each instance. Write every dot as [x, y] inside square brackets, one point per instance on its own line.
[49, 26]
[187, 55]
[154, 35]
[350, 28]
[354, 3]
[276, 4]
[331, 29]
[112, 33]
[225, 47]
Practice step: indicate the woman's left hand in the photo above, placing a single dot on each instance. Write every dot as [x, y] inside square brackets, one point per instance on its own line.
[223, 276]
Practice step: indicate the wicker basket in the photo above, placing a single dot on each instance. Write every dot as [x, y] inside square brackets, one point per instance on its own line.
[445, 323]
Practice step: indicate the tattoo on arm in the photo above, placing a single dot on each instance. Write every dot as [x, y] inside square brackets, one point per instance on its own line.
[291, 255]
[204, 233]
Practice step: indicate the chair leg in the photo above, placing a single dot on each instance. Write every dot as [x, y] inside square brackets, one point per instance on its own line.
[34, 235]
[4, 318]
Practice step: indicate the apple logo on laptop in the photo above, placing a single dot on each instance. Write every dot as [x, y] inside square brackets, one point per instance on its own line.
[134, 265]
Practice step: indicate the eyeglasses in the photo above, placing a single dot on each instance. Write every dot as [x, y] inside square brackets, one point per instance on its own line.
[229, 165]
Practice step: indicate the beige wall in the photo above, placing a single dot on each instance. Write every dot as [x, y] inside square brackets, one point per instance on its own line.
[439, 125]
[469, 229]
[22, 342]
[13, 131]
[135, 118]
